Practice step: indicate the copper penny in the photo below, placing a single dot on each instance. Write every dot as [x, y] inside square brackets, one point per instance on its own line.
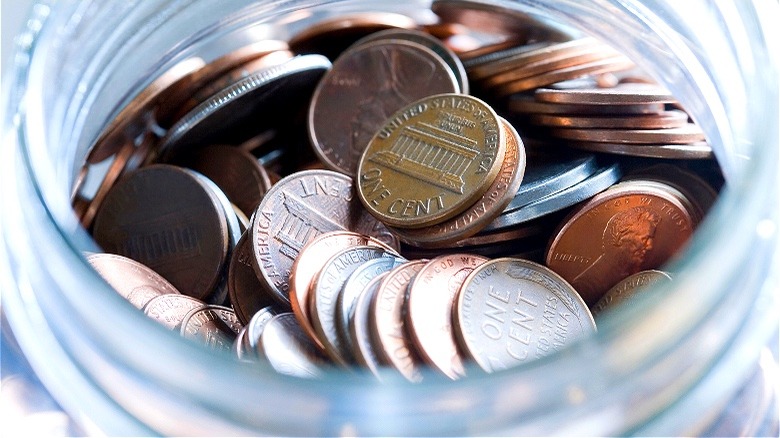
[623, 293]
[180, 232]
[133, 281]
[664, 120]
[387, 323]
[247, 293]
[695, 188]
[170, 309]
[206, 326]
[626, 229]
[429, 307]
[431, 160]
[512, 311]
[367, 85]
[296, 210]
[524, 104]
[496, 198]
[690, 151]
[622, 94]
[686, 134]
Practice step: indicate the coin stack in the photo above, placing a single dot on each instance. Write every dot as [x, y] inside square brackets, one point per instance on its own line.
[411, 196]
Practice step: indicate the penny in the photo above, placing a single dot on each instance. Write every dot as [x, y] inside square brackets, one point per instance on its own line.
[232, 115]
[626, 229]
[695, 188]
[622, 94]
[330, 37]
[596, 183]
[353, 288]
[500, 193]
[309, 263]
[170, 309]
[324, 293]
[623, 293]
[477, 55]
[429, 307]
[387, 323]
[243, 220]
[296, 210]
[664, 120]
[180, 232]
[247, 293]
[686, 134]
[689, 151]
[431, 160]
[246, 343]
[512, 311]
[367, 84]
[522, 231]
[360, 328]
[524, 104]
[288, 350]
[236, 172]
[133, 281]
[431, 42]
[204, 324]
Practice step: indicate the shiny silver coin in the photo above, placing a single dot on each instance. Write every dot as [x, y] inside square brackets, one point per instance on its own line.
[625, 292]
[206, 326]
[246, 342]
[288, 349]
[512, 311]
[170, 309]
[133, 281]
[363, 349]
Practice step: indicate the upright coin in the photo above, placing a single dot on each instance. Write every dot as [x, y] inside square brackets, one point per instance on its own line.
[247, 293]
[363, 349]
[247, 348]
[180, 232]
[431, 161]
[170, 309]
[133, 281]
[629, 228]
[429, 310]
[205, 325]
[297, 209]
[512, 311]
[368, 84]
[626, 290]
[388, 331]
[288, 349]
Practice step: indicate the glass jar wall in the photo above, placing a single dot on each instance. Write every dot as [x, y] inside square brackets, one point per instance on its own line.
[665, 367]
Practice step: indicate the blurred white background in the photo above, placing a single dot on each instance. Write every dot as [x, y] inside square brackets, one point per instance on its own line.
[13, 14]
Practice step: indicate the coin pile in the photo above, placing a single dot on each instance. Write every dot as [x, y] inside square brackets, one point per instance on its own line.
[392, 192]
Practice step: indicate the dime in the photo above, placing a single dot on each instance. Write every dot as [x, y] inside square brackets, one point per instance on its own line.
[429, 306]
[689, 151]
[236, 172]
[431, 161]
[180, 232]
[170, 309]
[133, 281]
[512, 311]
[686, 134]
[629, 228]
[205, 325]
[324, 293]
[309, 263]
[500, 193]
[247, 293]
[367, 85]
[664, 120]
[360, 328]
[622, 94]
[387, 323]
[626, 290]
[288, 349]
[296, 210]
[228, 316]
[246, 343]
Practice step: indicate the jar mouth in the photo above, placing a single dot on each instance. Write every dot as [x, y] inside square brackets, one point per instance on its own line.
[629, 344]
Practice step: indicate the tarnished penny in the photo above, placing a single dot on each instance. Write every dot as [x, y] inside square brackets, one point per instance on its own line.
[360, 328]
[524, 104]
[622, 94]
[180, 232]
[247, 293]
[429, 310]
[500, 193]
[390, 336]
[664, 120]
[296, 210]
[324, 292]
[240, 176]
[686, 134]
[170, 309]
[621, 231]
[133, 281]
[431, 160]
[627, 289]
[699, 150]
[288, 349]
[367, 85]
[205, 325]
[512, 311]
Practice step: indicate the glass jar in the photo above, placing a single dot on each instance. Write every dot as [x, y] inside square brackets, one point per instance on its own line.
[665, 367]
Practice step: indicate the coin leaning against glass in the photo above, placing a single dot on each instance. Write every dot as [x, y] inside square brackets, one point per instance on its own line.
[512, 311]
[431, 160]
[133, 281]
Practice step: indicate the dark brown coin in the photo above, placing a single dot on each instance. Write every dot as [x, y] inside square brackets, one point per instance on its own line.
[524, 104]
[664, 120]
[626, 229]
[367, 85]
[296, 210]
[288, 349]
[170, 309]
[205, 325]
[625, 292]
[686, 134]
[180, 232]
[690, 151]
[240, 176]
[390, 336]
[429, 307]
[133, 281]
[623, 94]
[247, 293]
